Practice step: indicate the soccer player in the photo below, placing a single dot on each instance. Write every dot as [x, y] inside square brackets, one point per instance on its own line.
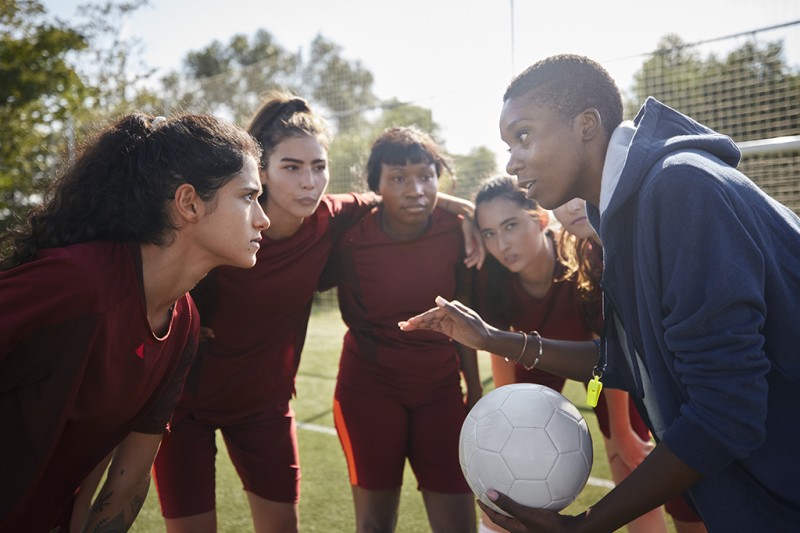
[98, 329]
[399, 396]
[701, 283]
[256, 322]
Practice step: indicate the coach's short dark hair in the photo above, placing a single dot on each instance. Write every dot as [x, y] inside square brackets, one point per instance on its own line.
[569, 84]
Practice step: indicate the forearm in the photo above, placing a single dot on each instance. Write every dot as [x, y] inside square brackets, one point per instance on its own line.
[117, 504]
[619, 419]
[83, 499]
[637, 494]
[126, 486]
[569, 359]
[455, 205]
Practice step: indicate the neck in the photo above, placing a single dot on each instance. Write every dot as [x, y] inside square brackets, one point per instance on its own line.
[537, 277]
[282, 228]
[282, 223]
[403, 232]
[167, 275]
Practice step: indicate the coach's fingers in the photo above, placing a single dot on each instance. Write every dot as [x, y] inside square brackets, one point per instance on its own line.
[506, 522]
[427, 320]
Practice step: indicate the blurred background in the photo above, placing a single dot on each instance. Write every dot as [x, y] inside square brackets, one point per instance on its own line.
[67, 66]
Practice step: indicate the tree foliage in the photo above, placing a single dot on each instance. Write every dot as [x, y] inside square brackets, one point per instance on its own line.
[38, 89]
[231, 78]
[750, 93]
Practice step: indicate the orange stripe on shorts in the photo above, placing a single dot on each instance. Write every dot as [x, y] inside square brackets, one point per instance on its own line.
[344, 438]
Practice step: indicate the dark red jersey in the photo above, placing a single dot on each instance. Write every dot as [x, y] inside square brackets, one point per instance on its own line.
[80, 369]
[382, 281]
[561, 314]
[259, 317]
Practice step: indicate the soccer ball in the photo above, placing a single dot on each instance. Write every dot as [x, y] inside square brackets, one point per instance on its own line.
[528, 442]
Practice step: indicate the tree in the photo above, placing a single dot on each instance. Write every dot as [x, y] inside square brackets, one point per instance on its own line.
[472, 169]
[229, 79]
[749, 94]
[343, 87]
[39, 92]
[112, 66]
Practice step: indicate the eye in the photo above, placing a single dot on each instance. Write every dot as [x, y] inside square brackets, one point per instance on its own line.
[510, 226]
[487, 234]
[428, 177]
[291, 167]
[522, 136]
[321, 167]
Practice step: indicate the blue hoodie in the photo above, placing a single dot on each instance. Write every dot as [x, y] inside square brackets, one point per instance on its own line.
[702, 286]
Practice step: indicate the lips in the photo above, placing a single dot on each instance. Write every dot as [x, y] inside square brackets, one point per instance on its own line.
[309, 201]
[415, 208]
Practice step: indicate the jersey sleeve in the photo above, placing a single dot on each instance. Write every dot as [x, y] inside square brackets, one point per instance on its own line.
[346, 209]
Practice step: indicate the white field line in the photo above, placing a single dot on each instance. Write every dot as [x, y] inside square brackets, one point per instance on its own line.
[594, 481]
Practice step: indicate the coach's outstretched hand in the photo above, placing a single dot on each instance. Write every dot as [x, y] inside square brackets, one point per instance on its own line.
[455, 320]
[526, 519]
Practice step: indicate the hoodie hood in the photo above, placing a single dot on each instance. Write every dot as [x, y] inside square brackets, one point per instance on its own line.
[661, 131]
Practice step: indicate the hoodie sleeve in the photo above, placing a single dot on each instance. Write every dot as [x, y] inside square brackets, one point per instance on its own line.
[706, 287]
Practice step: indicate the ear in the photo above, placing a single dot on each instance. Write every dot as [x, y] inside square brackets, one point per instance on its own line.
[590, 123]
[187, 203]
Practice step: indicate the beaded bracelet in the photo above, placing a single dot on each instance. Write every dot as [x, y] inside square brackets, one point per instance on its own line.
[536, 360]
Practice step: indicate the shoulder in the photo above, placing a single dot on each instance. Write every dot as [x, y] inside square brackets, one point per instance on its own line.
[446, 219]
[90, 266]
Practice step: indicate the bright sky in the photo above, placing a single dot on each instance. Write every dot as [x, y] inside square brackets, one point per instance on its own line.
[455, 56]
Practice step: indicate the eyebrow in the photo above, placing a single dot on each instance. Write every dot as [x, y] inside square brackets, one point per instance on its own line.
[300, 161]
[502, 223]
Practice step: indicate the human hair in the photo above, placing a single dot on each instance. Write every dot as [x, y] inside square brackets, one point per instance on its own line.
[283, 115]
[569, 84]
[580, 255]
[122, 178]
[402, 145]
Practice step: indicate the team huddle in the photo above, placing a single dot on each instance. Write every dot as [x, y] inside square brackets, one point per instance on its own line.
[162, 292]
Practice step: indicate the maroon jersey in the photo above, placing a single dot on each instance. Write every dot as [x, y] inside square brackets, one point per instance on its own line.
[561, 314]
[80, 369]
[259, 317]
[383, 281]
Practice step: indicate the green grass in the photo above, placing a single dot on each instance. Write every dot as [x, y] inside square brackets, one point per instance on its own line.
[325, 504]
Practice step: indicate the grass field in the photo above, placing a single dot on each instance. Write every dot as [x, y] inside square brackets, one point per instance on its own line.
[326, 504]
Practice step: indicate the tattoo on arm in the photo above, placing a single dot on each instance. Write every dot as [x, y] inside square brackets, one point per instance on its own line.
[101, 502]
[113, 525]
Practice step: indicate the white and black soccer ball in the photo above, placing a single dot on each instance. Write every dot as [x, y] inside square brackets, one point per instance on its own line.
[528, 442]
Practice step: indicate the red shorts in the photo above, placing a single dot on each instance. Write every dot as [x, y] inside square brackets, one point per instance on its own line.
[263, 449]
[378, 433]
